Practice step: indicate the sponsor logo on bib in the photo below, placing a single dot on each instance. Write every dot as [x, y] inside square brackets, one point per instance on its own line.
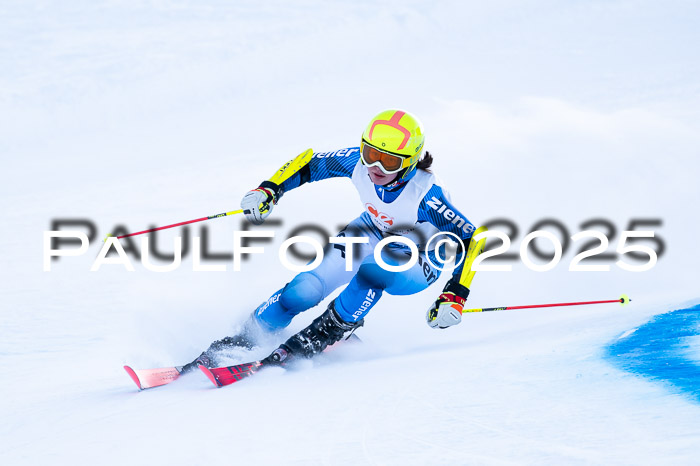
[383, 218]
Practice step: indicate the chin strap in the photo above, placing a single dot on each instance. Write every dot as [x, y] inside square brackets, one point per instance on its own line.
[401, 178]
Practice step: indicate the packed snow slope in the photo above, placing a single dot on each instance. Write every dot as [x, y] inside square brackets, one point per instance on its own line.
[151, 113]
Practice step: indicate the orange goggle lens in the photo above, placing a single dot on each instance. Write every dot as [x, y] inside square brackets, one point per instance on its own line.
[389, 163]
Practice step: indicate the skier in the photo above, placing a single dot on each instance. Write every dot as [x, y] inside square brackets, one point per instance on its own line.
[401, 197]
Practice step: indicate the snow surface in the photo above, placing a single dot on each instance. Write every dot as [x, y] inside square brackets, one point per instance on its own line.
[149, 113]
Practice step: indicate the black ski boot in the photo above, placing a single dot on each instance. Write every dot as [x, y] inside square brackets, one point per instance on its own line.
[326, 329]
[246, 339]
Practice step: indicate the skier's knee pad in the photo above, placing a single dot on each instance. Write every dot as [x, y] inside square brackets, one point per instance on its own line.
[305, 291]
[372, 275]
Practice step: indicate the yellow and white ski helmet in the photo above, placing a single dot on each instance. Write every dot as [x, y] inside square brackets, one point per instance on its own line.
[396, 132]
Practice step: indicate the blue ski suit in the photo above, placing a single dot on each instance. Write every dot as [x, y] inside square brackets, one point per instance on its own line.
[416, 208]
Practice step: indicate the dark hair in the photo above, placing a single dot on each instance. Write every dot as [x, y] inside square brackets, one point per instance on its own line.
[425, 162]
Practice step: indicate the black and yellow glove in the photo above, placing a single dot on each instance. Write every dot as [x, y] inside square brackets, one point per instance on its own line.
[258, 203]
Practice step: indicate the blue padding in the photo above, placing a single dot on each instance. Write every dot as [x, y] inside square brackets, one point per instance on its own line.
[660, 350]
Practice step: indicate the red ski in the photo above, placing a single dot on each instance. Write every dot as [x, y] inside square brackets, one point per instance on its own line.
[222, 376]
[219, 376]
[149, 378]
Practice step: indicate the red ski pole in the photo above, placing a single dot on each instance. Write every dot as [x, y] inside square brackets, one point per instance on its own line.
[624, 299]
[179, 224]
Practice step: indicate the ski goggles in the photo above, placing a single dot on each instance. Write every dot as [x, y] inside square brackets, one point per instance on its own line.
[387, 162]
